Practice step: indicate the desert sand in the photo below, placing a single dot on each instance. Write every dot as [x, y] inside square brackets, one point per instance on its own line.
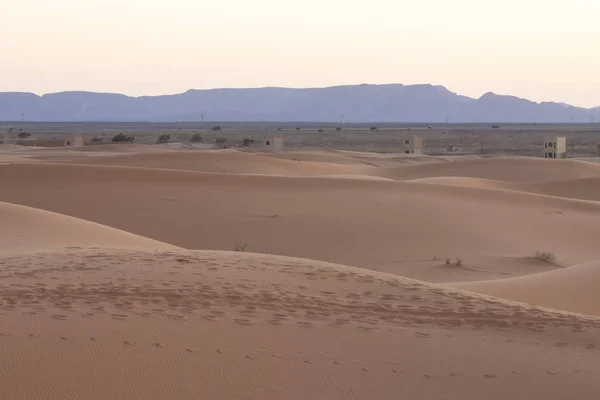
[364, 276]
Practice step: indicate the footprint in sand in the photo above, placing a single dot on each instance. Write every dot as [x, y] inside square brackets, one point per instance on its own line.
[422, 335]
[490, 376]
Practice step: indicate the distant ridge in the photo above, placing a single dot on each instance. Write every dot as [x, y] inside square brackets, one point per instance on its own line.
[359, 103]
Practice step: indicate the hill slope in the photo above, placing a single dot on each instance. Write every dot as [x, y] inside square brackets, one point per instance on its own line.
[364, 103]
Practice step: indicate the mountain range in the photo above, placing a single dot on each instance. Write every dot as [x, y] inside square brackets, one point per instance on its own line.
[358, 103]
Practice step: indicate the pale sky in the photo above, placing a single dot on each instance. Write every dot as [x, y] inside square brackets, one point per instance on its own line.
[537, 49]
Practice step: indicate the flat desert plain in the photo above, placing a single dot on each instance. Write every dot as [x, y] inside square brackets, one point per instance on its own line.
[147, 272]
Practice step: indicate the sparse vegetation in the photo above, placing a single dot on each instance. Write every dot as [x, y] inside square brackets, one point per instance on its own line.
[338, 129]
[216, 129]
[196, 138]
[458, 262]
[122, 138]
[298, 129]
[220, 140]
[448, 261]
[247, 142]
[374, 129]
[163, 139]
[545, 256]
[240, 247]
[24, 135]
[321, 131]
[95, 139]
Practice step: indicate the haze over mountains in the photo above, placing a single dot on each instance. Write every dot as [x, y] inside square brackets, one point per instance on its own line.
[358, 103]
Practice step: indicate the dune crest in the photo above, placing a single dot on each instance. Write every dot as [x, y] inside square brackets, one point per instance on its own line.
[572, 288]
[26, 229]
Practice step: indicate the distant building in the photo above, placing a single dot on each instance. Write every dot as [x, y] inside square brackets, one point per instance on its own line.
[412, 145]
[275, 142]
[77, 141]
[555, 147]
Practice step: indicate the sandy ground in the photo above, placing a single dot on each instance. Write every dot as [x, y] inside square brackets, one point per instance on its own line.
[99, 298]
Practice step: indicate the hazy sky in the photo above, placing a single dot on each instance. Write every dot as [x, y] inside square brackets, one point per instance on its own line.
[538, 49]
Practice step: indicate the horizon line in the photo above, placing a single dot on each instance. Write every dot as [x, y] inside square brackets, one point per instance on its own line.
[299, 88]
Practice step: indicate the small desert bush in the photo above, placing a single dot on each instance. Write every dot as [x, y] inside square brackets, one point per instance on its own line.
[163, 139]
[545, 256]
[240, 247]
[458, 262]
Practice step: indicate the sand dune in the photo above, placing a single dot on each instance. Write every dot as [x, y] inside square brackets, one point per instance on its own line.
[122, 148]
[187, 325]
[88, 311]
[468, 182]
[381, 225]
[507, 169]
[573, 288]
[319, 156]
[25, 229]
[232, 162]
[584, 188]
